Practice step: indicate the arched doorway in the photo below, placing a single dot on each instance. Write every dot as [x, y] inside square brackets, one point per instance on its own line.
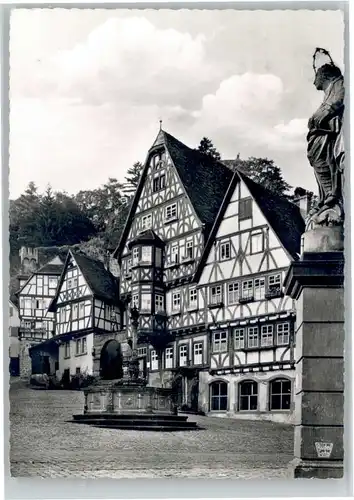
[111, 361]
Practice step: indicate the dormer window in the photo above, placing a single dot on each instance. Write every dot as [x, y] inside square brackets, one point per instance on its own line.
[171, 212]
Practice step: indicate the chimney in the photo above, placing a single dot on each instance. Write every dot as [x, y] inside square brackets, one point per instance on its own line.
[304, 201]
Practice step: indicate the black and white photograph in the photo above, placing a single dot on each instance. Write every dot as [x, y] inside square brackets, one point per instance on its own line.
[176, 223]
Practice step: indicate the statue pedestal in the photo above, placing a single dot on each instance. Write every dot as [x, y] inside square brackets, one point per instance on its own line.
[316, 283]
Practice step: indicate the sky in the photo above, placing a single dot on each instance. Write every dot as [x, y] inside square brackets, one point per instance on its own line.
[88, 88]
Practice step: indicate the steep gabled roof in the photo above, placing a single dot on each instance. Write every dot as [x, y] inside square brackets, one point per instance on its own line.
[205, 181]
[101, 282]
[282, 216]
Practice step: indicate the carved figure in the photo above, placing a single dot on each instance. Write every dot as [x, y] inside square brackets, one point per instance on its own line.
[325, 149]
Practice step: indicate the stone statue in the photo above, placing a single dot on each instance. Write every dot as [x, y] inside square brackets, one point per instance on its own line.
[325, 149]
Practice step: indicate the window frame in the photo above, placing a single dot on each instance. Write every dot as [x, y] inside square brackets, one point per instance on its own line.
[184, 348]
[233, 284]
[267, 333]
[154, 359]
[213, 301]
[144, 218]
[193, 304]
[282, 394]
[261, 289]
[174, 212]
[220, 344]
[220, 397]
[223, 246]
[241, 340]
[282, 324]
[169, 357]
[255, 336]
[248, 296]
[255, 234]
[176, 305]
[159, 304]
[246, 209]
[247, 397]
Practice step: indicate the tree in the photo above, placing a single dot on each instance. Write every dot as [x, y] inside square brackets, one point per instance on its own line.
[264, 172]
[207, 147]
[134, 173]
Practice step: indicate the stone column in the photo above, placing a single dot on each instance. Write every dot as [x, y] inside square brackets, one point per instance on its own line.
[316, 283]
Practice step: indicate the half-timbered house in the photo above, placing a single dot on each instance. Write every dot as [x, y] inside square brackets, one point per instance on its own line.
[251, 322]
[87, 312]
[36, 322]
[202, 258]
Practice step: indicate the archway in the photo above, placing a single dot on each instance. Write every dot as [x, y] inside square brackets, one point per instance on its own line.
[111, 361]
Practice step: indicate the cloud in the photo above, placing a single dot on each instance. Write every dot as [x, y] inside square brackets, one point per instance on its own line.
[126, 59]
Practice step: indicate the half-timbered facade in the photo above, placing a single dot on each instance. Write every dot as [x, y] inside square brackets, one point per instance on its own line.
[86, 307]
[202, 258]
[37, 324]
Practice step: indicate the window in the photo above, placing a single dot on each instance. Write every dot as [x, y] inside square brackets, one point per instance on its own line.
[189, 250]
[11, 311]
[135, 256]
[159, 303]
[135, 301]
[146, 255]
[280, 394]
[259, 288]
[77, 371]
[283, 333]
[182, 355]
[218, 396]
[225, 251]
[146, 302]
[67, 350]
[70, 284]
[232, 293]
[146, 222]
[175, 254]
[158, 160]
[193, 298]
[248, 396]
[239, 336]
[274, 285]
[216, 294]
[252, 334]
[176, 301]
[169, 357]
[198, 353]
[159, 183]
[83, 346]
[74, 282]
[53, 282]
[257, 242]
[245, 209]
[219, 341]
[142, 351]
[75, 311]
[154, 361]
[266, 335]
[247, 289]
[108, 313]
[77, 346]
[171, 212]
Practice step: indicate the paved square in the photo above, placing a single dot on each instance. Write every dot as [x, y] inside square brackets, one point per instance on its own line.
[44, 444]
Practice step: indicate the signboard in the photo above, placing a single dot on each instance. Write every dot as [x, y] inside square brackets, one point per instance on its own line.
[324, 450]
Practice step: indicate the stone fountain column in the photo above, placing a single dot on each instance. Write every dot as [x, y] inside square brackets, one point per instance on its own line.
[316, 283]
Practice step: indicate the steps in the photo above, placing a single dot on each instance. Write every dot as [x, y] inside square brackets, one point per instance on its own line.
[143, 422]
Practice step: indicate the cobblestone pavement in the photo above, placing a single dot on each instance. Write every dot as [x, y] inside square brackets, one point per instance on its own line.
[44, 444]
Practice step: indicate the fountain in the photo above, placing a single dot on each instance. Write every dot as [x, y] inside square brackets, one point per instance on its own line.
[128, 402]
